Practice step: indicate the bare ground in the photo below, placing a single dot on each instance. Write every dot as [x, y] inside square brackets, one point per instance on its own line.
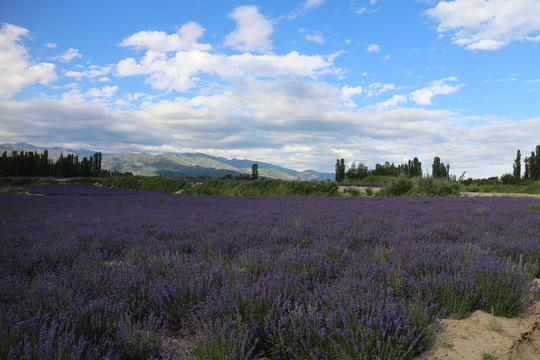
[362, 189]
[484, 336]
[477, 194]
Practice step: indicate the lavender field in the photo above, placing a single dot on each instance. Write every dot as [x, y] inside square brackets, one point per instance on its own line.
[96, 273]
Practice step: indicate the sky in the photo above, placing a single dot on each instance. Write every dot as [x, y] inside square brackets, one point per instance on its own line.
[295, 83]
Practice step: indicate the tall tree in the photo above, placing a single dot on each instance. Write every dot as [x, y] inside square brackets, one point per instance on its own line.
[533, 169]
[417, 168]
[527, 173]
[254, 171]
[537, 162]
[439, 170]
[340, 170]
[517, 165]
[351, 173]
[436, 167]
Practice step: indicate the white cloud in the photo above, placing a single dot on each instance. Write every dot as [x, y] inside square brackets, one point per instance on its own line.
[508, 79]
[378, 88]
[391, 103]
[16, 68]
[183, 70]
[253, 30]
[387, 57]
[185, 39]
[373, 48]
[364, 7]
[316, 38]
[487, 24]
[303, 8]
[104, 92]
[68, 55]
[351, 91]
[51, 45]
[313, 3]
[361, 10]
[266, 107]
[438, 87]
[294, 122]
[169, 73]
[92, 72]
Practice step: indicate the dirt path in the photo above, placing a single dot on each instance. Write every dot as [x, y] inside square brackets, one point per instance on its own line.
[477, 194]
[484, 336]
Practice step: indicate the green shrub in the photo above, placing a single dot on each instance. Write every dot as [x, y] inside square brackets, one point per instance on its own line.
[352, 191]
[534, 205]
[399, 187]
[437, 187]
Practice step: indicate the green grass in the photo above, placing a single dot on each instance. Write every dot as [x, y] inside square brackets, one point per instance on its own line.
[396, 186]
[263, 188]
[12, 190]
[526, 187]
[403, 186]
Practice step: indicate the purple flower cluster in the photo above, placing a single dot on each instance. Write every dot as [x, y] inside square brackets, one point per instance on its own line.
[63, 189]
[114, 274]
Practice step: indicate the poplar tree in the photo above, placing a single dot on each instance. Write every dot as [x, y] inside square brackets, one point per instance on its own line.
[517, 166]
[340, 170]
[254, 171]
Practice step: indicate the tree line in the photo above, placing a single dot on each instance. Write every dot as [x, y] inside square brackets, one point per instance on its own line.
[531, 164]
[39, 165]
[412, 168]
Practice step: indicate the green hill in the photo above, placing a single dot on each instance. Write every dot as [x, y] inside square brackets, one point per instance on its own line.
[171, 164]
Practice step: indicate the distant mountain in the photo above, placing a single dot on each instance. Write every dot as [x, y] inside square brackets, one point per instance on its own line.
[171, 164]
[164, 164]
[265, 169]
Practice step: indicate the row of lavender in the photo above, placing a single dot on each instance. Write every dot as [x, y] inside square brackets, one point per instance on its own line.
[146, 275]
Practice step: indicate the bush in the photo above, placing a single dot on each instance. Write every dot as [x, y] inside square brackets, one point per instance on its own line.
[534, 206]
[437, 187]
[399, 187]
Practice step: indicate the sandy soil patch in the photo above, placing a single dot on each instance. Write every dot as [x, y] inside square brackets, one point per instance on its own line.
[484, 336]
[477, 194]
[362, 189]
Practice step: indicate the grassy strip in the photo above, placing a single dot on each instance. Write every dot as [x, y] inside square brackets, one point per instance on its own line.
[527, 187]
[401, 186]
[421, 187]
[218, 187]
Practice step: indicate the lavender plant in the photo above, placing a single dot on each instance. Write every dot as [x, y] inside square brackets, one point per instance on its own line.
[90, 272]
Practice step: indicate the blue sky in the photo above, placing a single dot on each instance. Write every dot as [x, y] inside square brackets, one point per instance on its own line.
[295, 83]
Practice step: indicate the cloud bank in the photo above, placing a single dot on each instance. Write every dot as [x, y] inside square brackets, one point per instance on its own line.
[487, 24]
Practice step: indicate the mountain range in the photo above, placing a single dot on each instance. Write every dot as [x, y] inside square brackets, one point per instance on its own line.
[172, 164]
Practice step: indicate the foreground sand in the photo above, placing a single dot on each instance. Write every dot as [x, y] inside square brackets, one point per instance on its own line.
[483, 336]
